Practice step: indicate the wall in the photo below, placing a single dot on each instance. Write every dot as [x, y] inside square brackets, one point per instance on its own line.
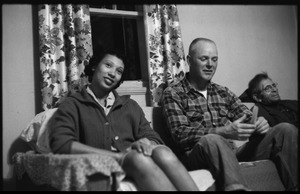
[18, 102]
[250, 39]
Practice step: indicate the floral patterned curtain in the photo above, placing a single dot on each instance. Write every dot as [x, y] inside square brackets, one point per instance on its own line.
[167, 63]
[65, 48]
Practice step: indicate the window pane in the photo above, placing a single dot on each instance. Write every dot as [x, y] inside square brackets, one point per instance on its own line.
[120, 33]
[126, 7]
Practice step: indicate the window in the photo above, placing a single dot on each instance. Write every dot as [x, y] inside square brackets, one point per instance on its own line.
[123, 26]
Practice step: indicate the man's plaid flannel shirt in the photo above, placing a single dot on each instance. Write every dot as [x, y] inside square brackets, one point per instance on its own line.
[190, 115]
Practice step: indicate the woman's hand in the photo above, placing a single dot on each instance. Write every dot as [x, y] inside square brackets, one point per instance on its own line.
[143, 145]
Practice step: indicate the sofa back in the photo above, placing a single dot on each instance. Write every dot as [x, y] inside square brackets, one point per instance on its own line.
[157, 121]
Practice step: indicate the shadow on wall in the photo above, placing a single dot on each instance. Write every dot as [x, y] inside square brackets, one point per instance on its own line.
[17, 146]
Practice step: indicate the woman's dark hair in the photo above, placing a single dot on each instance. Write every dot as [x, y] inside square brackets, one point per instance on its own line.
[98, 55]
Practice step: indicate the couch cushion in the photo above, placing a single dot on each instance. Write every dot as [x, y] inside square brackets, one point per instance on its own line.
[36, 132]
[262, 175]
[202, 178]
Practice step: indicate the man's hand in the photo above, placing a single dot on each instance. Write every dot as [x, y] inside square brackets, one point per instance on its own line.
[238, 130]
[261, 125]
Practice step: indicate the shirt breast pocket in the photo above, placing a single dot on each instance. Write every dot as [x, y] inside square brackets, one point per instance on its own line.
[225, 115]
[195, 115]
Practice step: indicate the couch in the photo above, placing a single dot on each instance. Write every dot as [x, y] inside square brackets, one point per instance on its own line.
[47, 171]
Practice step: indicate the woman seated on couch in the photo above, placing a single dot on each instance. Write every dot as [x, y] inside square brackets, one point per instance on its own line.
[98, 120]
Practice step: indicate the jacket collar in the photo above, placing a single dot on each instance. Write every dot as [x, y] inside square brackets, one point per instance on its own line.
[84, 97]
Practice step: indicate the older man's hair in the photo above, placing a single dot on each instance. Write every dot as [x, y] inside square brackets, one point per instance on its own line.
[253, 86]
[198, 40]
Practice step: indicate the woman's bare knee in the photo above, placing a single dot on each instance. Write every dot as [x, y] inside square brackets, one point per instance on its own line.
[145, 172]
[164, 154]
[136, 160]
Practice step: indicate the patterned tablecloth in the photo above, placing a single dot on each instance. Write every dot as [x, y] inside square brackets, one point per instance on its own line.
[65, 172]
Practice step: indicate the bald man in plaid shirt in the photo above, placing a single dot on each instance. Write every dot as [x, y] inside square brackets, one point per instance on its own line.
[204, 117]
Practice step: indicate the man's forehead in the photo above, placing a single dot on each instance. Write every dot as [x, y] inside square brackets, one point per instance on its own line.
[204, 45]
[204, 42]
[266, 82]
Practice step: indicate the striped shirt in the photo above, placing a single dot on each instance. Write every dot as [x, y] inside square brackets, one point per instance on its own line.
[190, 115]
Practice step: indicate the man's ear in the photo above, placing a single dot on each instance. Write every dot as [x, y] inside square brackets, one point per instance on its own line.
[188, 58]
[256, 98]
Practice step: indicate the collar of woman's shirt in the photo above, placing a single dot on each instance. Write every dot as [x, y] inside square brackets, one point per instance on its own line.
[109, 101]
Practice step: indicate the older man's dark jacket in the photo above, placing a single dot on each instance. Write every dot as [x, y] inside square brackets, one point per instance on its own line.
[283, 111]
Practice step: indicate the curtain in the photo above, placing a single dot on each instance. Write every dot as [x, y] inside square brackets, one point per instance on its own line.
[65, 48]
[167, 62]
